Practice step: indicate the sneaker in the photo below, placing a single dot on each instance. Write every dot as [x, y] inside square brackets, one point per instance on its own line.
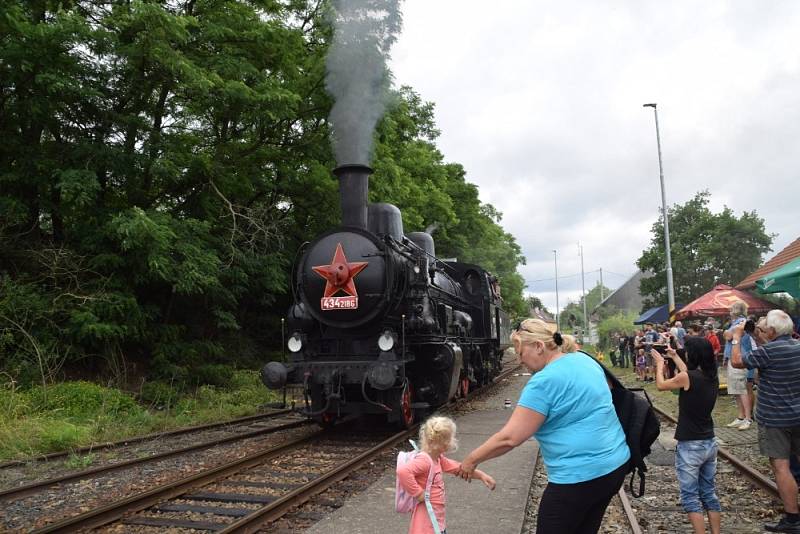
[735, 423]
[782, 526]
[745, 424]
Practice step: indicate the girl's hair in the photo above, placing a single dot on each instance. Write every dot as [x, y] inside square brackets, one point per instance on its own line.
[531, 330]
[438, 433]
[739, 308]
[700, 355]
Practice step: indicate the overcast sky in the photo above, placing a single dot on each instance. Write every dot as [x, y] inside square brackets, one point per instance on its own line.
[542, 104]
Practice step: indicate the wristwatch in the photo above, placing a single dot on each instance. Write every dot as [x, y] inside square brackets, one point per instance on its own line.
[734, 341]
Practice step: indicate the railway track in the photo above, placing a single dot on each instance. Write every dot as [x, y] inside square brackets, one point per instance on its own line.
[248, 492]
[278, 426]
[139, 439]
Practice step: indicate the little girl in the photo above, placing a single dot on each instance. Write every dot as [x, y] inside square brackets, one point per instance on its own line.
[437, 435]
[641, 365]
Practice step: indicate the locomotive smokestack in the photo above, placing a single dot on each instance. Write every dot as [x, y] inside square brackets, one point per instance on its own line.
[353, 189]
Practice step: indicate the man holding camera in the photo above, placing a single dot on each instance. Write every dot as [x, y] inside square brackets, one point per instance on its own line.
[778, 410]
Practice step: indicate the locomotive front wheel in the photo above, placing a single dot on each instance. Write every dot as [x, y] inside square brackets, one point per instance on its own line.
[328, 420]
[406, 411]
[464, 387]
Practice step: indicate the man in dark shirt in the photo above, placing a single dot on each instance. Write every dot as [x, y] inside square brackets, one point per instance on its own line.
[623, 349]
[778, 410]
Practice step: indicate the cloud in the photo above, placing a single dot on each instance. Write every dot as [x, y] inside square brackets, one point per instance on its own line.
[542, 104]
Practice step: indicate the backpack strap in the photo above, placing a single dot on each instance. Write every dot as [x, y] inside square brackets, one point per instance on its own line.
[641, 482]
[428, 505]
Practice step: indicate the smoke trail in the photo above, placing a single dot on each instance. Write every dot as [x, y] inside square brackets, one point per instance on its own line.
[357, 77]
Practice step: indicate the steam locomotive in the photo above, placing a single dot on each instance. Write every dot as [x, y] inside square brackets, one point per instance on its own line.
[379, 324]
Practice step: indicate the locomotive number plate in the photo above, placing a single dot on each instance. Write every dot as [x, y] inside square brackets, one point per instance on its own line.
[339, 303]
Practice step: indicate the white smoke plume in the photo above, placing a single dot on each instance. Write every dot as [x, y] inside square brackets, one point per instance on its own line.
[357, 74]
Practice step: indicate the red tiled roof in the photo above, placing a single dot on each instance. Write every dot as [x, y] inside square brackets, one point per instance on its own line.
[781, 258]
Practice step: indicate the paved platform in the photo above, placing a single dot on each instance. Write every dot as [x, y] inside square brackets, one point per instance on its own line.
[471, 508]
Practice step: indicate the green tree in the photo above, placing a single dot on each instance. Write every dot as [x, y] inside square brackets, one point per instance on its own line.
[620, 322]
[155, 161]
[707, 249]
[535, 302]
[410, 172]
[161, 164]
[571, 317]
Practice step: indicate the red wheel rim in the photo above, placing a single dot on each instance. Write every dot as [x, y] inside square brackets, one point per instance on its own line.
[405, 406]
[464, 387]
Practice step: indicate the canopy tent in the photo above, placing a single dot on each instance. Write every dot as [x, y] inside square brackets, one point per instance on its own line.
[659, 314]
[717, 303]
[786, 279]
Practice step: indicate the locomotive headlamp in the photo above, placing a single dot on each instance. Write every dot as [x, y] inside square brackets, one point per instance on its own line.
[295, 342]
[386, 341]
[416, 269]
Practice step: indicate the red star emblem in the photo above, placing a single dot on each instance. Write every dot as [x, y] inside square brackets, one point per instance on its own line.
[339, 274]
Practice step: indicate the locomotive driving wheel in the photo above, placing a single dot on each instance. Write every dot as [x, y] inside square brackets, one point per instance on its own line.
[406, 411]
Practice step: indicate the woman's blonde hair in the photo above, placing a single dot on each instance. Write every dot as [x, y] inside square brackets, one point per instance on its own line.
[531, 330]
[438, 433]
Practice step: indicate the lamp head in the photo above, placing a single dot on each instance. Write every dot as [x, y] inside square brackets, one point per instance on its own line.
[653, 105]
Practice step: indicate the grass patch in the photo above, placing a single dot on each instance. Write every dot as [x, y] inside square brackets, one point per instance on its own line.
[70, 415]
[77, 461]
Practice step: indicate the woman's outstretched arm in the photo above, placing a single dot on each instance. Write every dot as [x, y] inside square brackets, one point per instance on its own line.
[522, 424]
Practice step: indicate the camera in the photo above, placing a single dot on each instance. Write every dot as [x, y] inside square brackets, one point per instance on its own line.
[750, 326]
[661, 348]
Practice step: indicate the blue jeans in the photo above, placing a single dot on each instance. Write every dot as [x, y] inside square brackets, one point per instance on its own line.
[696, 465]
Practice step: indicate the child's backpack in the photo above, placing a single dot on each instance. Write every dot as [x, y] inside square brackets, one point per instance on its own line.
[404, 502]
[639, 422]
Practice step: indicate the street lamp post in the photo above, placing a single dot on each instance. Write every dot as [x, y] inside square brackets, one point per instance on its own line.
[670, 285]
[555, 262]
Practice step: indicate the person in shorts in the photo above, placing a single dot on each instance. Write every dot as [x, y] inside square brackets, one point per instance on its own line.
[778, 412]
[737, 378]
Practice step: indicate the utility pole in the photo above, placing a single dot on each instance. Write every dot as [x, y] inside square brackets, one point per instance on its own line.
[583, 291]
[555, 262]
[601, 285]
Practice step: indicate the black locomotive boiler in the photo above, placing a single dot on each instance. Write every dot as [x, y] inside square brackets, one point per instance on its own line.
[379, 324]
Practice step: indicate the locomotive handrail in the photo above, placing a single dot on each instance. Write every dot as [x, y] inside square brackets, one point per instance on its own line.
[407, 243]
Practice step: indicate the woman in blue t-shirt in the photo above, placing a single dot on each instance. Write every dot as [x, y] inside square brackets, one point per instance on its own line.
[567, 405]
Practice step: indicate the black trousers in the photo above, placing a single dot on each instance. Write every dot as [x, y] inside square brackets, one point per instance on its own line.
[578, 508]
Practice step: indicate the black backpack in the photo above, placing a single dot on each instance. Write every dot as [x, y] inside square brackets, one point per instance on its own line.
[639, 422]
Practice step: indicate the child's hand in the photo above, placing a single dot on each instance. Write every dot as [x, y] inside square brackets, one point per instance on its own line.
[420, 497]
[489, 482]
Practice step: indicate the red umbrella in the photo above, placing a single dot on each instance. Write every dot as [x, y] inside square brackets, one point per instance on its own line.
[717, 303]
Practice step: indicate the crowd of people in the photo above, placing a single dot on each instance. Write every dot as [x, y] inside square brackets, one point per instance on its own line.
[567, 407]
[763, 351]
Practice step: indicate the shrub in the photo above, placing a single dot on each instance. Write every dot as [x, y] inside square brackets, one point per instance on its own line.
[213, 374]
[158, 394]
[60, 435]
[82, 400]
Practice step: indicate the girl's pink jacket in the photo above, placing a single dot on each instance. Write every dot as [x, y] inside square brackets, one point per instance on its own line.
[413, 476]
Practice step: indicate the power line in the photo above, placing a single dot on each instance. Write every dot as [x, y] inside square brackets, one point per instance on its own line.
[560, 277]
[617, 274]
